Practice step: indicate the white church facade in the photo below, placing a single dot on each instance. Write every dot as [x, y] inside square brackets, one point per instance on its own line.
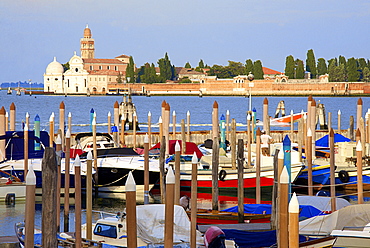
[86, 74]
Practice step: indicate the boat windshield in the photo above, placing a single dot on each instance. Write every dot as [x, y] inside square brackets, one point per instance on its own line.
[105, 230]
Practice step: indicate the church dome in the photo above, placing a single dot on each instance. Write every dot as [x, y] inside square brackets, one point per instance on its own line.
[54, 67]
[87, 32]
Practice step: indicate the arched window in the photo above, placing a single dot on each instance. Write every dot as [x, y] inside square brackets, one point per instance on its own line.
[85, 83]
[76, 88]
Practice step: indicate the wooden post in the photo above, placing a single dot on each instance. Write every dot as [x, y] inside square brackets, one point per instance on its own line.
[61, 121]
[360, 189]
[283, 209]
[193, 201]
[146, 169]
[332, 171]
[12, 117]
[116, 123]
[177, 173]
[313, 127]
[166, 126]
[240, 181]
[49, 198]
[258, 166]
[227, 125]
[89, 196]
[188, 126]
[169, 207]
[6, 121]
[215, 120]
[351, 128]
[249, 141]
[161, 168]
[28, 119]
[30, 208]
[359, 112]
[329, 121]
[2, 132]
[309, 102]
[109, 122]
[122, 131]
[293, 210]
[300, 137]
[67, 180]
[51, 132]
[77, 166]
[131, 211]
[309, 162]
[134, 129]
[174, 125]
[215, 164]
[69, 122]
[160, 126]
[233, 144]
[305, 130]
[362, 131]
[183, 139]
[58, 149]
[291, 126]
[95, 153]
[150, 128]
[265, 118]
[339, 121]
[25, 161]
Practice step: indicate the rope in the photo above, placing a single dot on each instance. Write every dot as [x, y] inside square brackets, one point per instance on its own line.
[103, 185]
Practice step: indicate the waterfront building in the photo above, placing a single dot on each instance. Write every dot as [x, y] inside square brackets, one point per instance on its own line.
[86, 74]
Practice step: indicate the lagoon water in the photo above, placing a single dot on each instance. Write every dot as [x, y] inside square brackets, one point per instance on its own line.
[200, 110]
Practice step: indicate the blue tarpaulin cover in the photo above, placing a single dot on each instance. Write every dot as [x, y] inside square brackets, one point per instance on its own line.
[305, 211]
[324, 141]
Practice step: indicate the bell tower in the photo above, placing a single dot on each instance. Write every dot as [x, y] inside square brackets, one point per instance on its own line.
[87, 45]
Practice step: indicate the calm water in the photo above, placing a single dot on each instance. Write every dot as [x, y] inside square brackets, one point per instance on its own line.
[200, 110]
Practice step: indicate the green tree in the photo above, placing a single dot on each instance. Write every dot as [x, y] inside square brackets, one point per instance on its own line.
[257, 69]
[130, 70]
[299, 71]
[66, 66]
[362, 63]
[219, 71]
[248, 66]
[290, 67]
[366, 74]
[352, 70]
[119, 78]
[201, 64]
[322, 69]
[235, 68]
[311, 63]
[187, 65]
[165, 69]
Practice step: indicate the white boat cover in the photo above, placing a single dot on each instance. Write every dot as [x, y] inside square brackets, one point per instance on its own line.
[322, 203]
[353, 215]
[151, 222]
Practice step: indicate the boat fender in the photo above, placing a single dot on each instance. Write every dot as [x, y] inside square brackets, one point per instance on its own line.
[343, 176]
[222, 175]
[10, 199]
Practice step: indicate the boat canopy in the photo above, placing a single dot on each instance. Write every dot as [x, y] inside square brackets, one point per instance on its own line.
[190, 148]
[353, 215]
[15, 144]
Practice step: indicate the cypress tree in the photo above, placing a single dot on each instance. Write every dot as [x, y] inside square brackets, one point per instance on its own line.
[322, 69]
[257, 69]
[187, 65]
[201, 64]
[299, 71]
[352, 70]
[165, 69]
[248, 66]
[130, 70]
[366, 74]
[311, 63]
[289, 67]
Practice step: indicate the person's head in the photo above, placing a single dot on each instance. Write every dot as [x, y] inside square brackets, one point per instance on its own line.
[263, 132]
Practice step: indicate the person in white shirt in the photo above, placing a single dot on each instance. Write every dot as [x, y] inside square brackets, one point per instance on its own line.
[265, 143]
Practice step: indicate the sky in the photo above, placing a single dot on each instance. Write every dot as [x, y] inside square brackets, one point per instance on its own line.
[33, 32]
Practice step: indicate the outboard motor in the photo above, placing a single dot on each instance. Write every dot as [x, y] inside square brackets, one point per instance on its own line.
[214, 238]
